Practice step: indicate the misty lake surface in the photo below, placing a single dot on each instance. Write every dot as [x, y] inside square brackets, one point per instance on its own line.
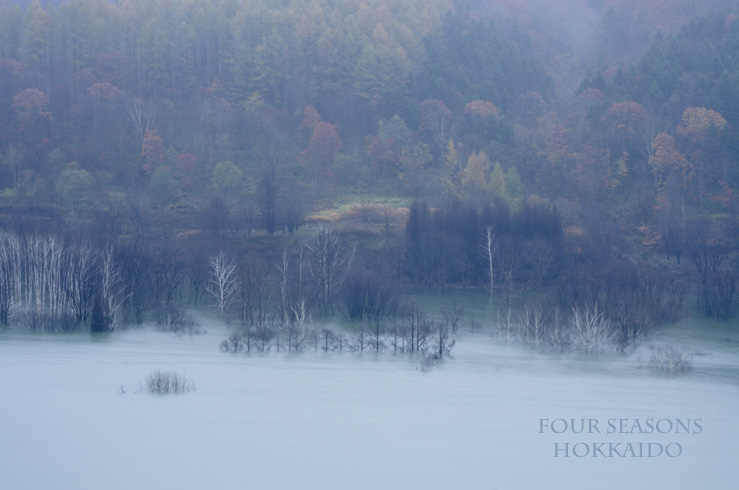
[318, 420]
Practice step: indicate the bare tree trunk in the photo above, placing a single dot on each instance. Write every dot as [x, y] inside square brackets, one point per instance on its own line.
[111, 289]
[81, 259]
[329, 264]
[284, 269]
[224, 283]
[490, 247]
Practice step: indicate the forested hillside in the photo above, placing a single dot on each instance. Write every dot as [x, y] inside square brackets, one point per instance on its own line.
[581, 147]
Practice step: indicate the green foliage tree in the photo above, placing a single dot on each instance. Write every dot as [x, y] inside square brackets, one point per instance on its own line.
[497, 181]
[513, 186]
[74, 186]
[36, 47]
[475, 176]
[383, 65]
[164, 186]
[452, 171]
[414, 161]
[227, 178]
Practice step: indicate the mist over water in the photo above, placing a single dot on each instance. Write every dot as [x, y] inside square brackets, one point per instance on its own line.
[349, 420]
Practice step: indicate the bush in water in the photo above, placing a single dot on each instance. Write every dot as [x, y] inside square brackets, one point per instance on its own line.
[164, 382]
[668, 359]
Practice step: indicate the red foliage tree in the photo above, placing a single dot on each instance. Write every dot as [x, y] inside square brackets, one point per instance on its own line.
[184, 169]
[324, 144]
[31, 107]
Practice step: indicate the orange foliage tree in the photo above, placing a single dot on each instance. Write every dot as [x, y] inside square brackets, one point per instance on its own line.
[31, 108]
[152, 151]
[324, 144]
[670, 167]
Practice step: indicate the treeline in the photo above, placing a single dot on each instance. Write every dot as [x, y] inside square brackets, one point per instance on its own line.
[555, 287]
[449, 246]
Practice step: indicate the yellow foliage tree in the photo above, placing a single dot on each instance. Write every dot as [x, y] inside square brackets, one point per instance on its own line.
[451, 180]
[475, 175]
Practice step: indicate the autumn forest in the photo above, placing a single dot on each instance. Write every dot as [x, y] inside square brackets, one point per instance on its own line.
[277, 159]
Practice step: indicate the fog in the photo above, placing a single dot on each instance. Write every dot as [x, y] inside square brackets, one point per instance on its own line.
[348, 420]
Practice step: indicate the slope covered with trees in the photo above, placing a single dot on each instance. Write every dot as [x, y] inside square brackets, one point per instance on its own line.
[544, 146]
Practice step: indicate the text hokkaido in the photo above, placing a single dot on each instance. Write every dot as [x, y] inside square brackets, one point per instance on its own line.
[616, 450]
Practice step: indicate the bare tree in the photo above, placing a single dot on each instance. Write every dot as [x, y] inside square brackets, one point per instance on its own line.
[359, 338]
[591, 330]
[368, 296]
[441, 344]
[453, 315]
[559, 335]
[540, 261]
[327, 339]
[167, 273]
[376, 335]
[329, 264]
[142, 118]
[136, 262]
[284, 268]
[299, 328]
[45, 283]
[505, 325]
[111, 290]
[388, 220]
[79, 284]
[509, 269]
[224, 283]
[719, 295]
[413, 330]
[7, 280]
[533, 323]
[437, 119]
[490, 246]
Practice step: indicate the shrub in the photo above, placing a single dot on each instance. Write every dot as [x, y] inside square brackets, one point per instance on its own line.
[38, 320]
[429, 361]
[165, 382]
[368, 296]
[173, 317]
[668, 359]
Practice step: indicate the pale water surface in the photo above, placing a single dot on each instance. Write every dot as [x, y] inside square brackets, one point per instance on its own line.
[354, 421]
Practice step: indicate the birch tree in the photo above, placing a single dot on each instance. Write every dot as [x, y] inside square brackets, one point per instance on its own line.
[111, 290]
[224, 282]
[591, 331]
[329, 264]
[81, 262]
[142, 118]
[490, 246]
